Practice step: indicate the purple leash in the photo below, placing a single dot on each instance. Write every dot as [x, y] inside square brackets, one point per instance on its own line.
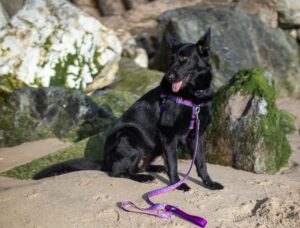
[164, 210]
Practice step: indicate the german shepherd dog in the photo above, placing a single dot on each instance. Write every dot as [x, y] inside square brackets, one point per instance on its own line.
[144, 132]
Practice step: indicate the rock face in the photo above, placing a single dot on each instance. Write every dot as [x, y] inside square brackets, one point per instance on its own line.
[238, 41]
[288, 13]
[248, 130]
[53, 43]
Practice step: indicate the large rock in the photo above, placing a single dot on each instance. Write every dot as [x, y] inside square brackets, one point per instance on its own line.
[289, 13]
[54, 43]
[248, 131]
[238, 41]
[31, 114]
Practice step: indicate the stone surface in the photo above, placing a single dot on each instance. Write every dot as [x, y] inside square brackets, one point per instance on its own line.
[135, 79]
[248, 130]
[136, 53]
[288, 13]
[54, 43]
[265, 10]
[238, 41]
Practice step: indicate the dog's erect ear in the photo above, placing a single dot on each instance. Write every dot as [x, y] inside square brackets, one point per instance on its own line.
[204, 43]
[171, 40]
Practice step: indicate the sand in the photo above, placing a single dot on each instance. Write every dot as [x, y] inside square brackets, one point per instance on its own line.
[89, 198]
[26, 152]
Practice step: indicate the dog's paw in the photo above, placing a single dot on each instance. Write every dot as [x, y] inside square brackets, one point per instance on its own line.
[147, 178]
[142, 178]
[183, 187]
[213, 185]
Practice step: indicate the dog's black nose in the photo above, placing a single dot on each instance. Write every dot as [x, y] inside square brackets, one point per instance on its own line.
[171, 77]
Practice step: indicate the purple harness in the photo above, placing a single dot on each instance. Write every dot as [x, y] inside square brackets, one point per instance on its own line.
[163, 210]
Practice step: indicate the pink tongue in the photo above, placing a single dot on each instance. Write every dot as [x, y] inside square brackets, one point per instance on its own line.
[176, 86]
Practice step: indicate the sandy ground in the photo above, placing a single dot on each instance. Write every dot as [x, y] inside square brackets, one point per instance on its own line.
[89, 198]
[26, 152]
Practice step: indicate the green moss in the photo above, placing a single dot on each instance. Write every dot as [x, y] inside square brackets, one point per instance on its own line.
[99, 67]
[287, 121]
[15, 131]
[271, 127]
[61, 68]
[8, 84]
[116, 101]
[89, 128]
[135, 79]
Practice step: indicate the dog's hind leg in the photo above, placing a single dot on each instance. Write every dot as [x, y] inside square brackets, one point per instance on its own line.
[125, 160]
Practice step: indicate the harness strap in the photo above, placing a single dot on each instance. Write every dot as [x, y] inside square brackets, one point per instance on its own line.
[166, 211]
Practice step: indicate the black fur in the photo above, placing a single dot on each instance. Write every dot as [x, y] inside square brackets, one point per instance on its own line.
[143, 132]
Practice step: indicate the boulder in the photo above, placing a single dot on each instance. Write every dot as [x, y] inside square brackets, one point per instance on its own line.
[248, 131]
[53, 43]
[238, 41]
[288, 13]
[32, 113]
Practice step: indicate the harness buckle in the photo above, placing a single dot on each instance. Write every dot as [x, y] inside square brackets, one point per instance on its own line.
[178, 99]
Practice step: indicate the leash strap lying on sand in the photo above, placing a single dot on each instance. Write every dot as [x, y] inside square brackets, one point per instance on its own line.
[163, 210]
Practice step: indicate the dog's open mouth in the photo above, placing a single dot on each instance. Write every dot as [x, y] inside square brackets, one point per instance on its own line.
[177, 85]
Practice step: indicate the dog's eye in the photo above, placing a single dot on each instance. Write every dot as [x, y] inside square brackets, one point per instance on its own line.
[182, 59]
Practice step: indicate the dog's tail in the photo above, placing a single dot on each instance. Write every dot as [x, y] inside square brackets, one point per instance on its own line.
[69, 166]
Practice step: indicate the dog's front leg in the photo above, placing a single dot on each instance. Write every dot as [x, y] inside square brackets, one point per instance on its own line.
[200, 163]
[170, 155]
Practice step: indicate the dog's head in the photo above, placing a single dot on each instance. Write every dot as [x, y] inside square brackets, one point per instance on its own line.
[189, 68]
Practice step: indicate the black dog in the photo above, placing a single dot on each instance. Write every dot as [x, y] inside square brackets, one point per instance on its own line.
[145, 131]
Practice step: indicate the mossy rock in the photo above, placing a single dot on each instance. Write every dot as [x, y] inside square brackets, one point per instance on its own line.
[116, 101]
[90, 147]
[248, 130]
[16, 128]
[135, 79]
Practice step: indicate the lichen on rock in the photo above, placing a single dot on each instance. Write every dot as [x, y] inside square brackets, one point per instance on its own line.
[54, 43]
[248, 130]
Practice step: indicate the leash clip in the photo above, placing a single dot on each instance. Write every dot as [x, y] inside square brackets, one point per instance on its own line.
[197, 112]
